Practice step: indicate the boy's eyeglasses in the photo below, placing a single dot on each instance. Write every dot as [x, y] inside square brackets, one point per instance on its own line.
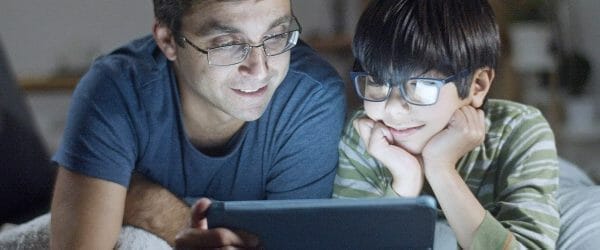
[237, 53]
[417, 91]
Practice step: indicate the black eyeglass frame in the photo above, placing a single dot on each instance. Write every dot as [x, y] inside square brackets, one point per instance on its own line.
[249, 47]
[438, 83]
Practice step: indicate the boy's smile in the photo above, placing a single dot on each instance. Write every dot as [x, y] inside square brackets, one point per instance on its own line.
[411, 126]
[404, 133]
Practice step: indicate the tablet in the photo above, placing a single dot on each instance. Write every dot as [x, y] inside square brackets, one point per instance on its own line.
[384, 223]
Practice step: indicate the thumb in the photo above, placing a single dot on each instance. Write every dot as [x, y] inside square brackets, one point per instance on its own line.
[198, 219]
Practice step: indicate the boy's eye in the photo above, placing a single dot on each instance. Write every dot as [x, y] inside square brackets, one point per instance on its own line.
[372, 82]
[422, 82]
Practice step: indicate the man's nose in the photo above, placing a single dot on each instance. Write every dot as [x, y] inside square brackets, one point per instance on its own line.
[255, 63]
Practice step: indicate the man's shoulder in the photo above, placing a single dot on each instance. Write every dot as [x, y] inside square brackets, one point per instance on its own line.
[136, 61]
[307, 65]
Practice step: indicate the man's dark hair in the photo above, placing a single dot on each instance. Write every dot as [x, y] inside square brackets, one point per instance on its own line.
[396, 39]
[170, 13]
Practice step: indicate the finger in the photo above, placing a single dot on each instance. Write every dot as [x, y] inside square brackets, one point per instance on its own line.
[214, 238]
[475, 124]
[248, 239]
[382, 134]
[199, 210]
[458, 119]
[363, 127]
[470, 117]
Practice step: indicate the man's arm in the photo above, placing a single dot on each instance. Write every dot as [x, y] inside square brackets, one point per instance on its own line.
[153, 208]
[86, 212]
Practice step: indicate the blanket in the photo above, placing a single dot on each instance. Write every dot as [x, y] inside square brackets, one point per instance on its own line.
[578, 198]
[35, 234]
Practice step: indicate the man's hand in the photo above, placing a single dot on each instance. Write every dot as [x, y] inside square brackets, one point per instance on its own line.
[465, 131]
[153, 208]
[405, 168]
[198, 236]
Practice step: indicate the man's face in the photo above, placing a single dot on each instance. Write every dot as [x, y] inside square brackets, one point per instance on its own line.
[241, 91]
[413, 126]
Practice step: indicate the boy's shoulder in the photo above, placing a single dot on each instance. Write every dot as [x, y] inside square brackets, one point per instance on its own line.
[508, 119]
[500, 110]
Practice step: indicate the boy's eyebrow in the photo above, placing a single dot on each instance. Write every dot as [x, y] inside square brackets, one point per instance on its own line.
[213, 26]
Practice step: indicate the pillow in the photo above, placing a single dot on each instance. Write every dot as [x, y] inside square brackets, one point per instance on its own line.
[579, 202]
[579, 217]
[572, 176]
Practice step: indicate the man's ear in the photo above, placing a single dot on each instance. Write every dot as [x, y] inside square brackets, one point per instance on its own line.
[165, 40]
[480, 85]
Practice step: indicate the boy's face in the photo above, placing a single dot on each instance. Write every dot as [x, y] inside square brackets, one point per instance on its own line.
[240, 91]
[412, 126]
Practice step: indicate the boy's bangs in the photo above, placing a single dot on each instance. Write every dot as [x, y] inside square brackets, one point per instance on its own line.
[410, 50]
[394, 63]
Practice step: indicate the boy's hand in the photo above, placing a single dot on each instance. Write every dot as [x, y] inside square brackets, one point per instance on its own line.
[465, 131]
[198, 236]
[405, 168]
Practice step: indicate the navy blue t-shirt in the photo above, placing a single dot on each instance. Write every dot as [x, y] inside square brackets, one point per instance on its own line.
[125, 116]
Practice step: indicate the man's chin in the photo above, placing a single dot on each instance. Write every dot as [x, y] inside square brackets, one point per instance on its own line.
[251, 115]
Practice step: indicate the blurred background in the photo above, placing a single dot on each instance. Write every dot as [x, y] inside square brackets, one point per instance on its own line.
[550, 56]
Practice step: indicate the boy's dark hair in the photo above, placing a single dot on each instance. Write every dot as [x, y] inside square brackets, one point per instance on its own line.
[170, 13]
[396, 39]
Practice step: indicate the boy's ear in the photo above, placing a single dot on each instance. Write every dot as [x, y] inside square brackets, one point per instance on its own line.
[165, 40]
[480, 85]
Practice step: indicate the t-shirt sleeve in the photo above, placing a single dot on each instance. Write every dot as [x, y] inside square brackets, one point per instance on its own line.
[98, 140]
[306, 158]
[359, 175]
[525, 188]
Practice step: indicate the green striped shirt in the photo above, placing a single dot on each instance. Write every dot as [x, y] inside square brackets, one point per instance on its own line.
[513, 174]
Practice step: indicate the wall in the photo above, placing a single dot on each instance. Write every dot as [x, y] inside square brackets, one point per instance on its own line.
[582, 33]
[41, 36]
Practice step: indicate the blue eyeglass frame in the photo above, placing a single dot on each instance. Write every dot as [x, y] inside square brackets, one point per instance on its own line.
[438, 83]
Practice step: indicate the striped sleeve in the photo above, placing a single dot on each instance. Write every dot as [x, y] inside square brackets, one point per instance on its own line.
[525, 185]
[359, 175]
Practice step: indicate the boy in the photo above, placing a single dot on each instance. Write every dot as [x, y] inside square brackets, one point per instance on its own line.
[428, 128]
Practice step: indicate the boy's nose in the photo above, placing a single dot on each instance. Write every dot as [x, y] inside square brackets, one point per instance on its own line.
[396, 104]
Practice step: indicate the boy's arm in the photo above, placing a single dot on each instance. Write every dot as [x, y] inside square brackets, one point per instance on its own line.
[527, 183]
[86, 212]
[525, 178]
[359, 175]
[465, 131]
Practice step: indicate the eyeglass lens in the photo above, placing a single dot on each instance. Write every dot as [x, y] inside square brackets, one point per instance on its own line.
[232, 54]
[415, 91]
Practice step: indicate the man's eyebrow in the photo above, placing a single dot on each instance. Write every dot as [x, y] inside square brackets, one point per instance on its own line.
[280, 21]
[214, 26]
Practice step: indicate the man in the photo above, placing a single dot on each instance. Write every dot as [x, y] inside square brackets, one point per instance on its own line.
[211, 106]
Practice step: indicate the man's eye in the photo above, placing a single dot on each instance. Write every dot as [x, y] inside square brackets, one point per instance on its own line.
[226, 41]
[282, 36]
[218, 45]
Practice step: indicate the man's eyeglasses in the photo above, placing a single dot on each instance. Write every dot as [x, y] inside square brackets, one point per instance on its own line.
[417, 91]
[237, 53]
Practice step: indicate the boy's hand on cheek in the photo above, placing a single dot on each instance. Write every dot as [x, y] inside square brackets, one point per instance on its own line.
[465, 131]
[405, 168]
